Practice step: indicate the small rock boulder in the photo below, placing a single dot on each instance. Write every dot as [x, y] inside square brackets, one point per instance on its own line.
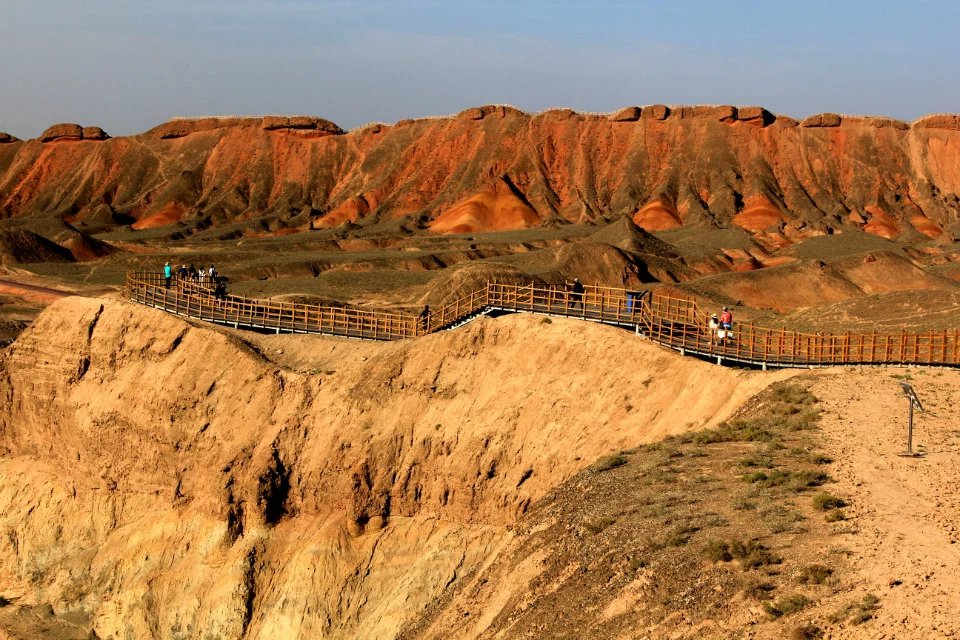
[64, 131]
[476, 113]
[655, 112]
[822, 120]
[94, 133]
[180, 127]
[786, 121]
[302, 123]
[559, 114]
[888, 123]
[755, 115]
[950, 122]
[627, 114]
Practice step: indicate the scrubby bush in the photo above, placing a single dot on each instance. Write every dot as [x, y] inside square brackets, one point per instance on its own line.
[807, 631]
[718, 551]
[609, 462]
[835, 515]
[787, 605]
[759, 590]
[596, 526]
[825, 501]
[752, 554]
[814, 574]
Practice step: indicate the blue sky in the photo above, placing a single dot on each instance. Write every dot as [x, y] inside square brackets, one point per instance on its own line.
[127, 65]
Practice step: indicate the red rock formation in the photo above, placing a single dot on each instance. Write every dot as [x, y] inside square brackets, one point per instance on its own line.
[948, 121]
[822, 120]
[755, 115]
[185, 126]
[707, 162]
[170, 214]
[7, 138]
[94, 133]
[657, 112]
[880, 224]
[758, 214]
[306, 123]
[349, 211]
[627, 114]
[65, 131]
[657, 215]
[497, 208]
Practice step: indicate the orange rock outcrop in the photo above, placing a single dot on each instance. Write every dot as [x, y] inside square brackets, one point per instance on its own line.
[497, 208]
[707, 162]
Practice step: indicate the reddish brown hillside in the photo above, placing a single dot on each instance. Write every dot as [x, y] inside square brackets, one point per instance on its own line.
[664, 167]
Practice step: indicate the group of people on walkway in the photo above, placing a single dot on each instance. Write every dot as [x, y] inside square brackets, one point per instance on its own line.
[205, 277]
[721, 328]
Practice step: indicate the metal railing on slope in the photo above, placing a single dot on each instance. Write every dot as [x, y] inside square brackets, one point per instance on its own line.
[675, 322]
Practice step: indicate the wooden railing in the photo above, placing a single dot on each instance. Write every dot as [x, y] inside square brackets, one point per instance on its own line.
[675, 322]
[195, 300]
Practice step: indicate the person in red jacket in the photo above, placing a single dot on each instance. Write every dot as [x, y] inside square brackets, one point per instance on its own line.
[726, 319]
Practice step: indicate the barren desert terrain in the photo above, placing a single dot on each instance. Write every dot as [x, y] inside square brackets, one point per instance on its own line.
[519, 476]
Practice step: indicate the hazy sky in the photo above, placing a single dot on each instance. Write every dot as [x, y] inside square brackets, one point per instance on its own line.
[127, 65]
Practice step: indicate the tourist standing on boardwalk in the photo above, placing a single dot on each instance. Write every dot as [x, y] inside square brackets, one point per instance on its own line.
[577, 293]
[167, 274]
[424, 318]
[714, 326]
[211, 275]
[726, 319]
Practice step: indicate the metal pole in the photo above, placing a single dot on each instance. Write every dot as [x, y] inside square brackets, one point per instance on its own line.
[910, 429]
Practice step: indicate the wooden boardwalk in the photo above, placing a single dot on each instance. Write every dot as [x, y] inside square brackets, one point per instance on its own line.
[673, 322]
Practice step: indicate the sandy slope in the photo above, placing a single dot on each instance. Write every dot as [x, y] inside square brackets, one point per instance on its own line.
[163, 478]
[905, 512]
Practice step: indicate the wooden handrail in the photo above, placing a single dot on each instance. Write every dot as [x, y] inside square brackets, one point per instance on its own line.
[672, 321]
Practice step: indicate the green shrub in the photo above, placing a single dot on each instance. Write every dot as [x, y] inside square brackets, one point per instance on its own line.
[865, 609]
[792, 394]
[752, 554]
[609, 462]
[758, 590]
[835, 515]
[756, 461]
[805, 479]
[679, 535]
[718, 551]
[858, 612]
[596, 526]
[814, 574]
[825, 501]
[787, 605]
[807, 631]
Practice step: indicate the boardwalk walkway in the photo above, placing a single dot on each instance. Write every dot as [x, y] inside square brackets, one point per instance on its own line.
[673, 322]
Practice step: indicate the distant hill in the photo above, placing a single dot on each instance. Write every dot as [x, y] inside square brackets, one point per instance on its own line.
[494, 167]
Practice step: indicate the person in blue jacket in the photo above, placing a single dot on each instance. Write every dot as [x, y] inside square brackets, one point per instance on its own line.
[166, 275]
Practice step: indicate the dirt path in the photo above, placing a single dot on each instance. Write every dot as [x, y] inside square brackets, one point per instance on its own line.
[32, 292]
[904, 522]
